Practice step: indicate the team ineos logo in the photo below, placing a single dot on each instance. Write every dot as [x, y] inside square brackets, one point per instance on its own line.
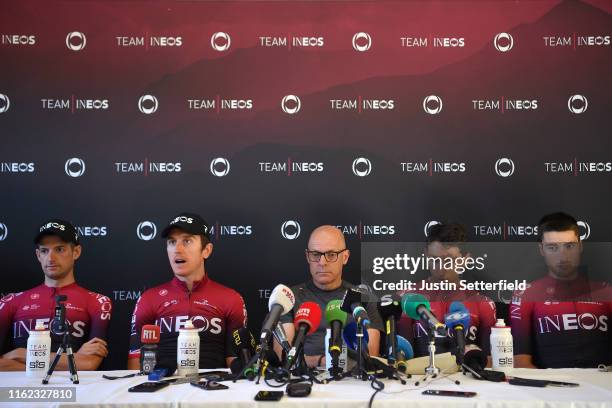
[291, 110]
[146, 230]
[432, 104]
[3, 231]
[220, 167]
[150, 109]
[428, 225]
[498, 42]
[225, 44]
[290, 229]
[76, 41]
[74, 167]
[587, 230]
[5, 103]
[362, 36]
[584, 104]
[362, 167]
[504, 167]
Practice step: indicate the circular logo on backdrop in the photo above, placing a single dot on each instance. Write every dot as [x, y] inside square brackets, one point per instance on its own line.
[5, 103]
[293, 107]
[3, 231]
[428, 225]
[148, 104]
[146, 230]
[290, 229]
[362, 167]
[585, 230]
[220, 41]
[504, 167]
[76, 41]
[503, 42]
[577, 104]
[362, 42]
[220, 167]
[74, 167]
[432, 104]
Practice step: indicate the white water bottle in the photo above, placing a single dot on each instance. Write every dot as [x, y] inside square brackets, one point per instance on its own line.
[188, 350]
[342, 360]
[38, 352]
[502, 350]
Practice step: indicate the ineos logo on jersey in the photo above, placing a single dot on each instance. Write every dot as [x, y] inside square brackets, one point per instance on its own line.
[362, 167]
[359, 39]
[3, 231]
[74, 167]
[76, 41]
[503, 42]
[504, 167]
[5, 103]
[146, 230]
[148, 104]
[572, 321]
[220, 167]
[428, 225]
[176, 323]
[285, 105]
[432, 104]
[290, 229]
[577, 104]
[586, 228]
[220, 41]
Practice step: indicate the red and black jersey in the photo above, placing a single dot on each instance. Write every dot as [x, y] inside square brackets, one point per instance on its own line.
[215, 310]
[482, 318]
[88, 314]
[563, 323]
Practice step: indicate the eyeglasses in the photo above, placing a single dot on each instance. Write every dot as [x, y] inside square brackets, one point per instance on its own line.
[330, 256]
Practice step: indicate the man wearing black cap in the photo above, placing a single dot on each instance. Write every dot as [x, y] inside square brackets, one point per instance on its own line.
[89, 313]
[215, 310]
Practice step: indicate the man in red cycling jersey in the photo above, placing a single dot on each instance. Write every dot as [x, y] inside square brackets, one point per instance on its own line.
[215, 310]
[89, 313]
[562, 319]
[446, 241]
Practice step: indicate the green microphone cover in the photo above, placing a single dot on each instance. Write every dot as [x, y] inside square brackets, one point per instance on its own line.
[333, 312]
[410, 303]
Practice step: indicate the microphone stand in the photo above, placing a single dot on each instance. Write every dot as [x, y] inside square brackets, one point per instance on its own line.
[431, 369]
[359, 371]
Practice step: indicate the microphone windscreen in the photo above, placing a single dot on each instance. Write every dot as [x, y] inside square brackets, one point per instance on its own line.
[309, 313]
[411, 302]
[349, 334]
[333, 312]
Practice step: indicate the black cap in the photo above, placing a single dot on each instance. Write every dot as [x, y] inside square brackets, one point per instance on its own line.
[60, 228]
[188, 222]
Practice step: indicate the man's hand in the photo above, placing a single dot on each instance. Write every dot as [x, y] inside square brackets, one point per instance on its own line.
[18, 354]
[94, 347]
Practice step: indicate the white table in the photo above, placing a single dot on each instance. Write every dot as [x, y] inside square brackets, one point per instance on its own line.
[595, 390]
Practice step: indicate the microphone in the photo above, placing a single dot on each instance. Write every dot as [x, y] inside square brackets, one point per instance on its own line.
[390, 311]
[351, 303]
[306, 321]
[149, 338]
[349, 334]
[281, 302]
[336, 318]
[281, 337]
[458, 320]
[417, 307]
[244, 345]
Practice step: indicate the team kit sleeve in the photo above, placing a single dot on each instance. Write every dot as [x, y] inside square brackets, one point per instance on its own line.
[521, 310]
[7, 310]
[100, 311]
[142, 315]
[487, 316]
[235, 319]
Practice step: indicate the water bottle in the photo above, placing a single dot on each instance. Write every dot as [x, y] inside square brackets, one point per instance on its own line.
[38, 352]
[502, 351]
[188, 350]
[342, 360]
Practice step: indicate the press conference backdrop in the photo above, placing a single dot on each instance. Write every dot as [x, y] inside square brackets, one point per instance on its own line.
[270, 118]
